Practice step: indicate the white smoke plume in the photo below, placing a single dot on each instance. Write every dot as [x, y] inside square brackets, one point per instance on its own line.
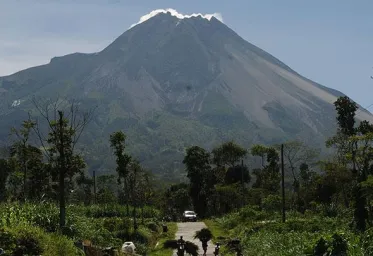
[178, 15]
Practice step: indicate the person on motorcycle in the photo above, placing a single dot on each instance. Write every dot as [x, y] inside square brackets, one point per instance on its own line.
[180, 246]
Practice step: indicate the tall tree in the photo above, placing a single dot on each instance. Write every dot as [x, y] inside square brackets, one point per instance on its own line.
[197, 162]
[354, 148]
[38, 174]
[64, 132]
[145, 192]
[176, 200]
[134, 182]
[227, 158]
[22, 151]
[62, 157]
[117, 142]
[4, 174]
[106, 187]
[268, 178]
[84, 189]
[228, 154]
[297, 153]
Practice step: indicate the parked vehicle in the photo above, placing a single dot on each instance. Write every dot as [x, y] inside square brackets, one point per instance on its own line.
[189, 216]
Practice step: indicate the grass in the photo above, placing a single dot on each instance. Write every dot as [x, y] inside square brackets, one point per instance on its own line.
[159, 250]
[105, 226]
[263, 235]
[216, 230]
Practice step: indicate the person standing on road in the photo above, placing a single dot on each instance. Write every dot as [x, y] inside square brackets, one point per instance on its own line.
[204, 246]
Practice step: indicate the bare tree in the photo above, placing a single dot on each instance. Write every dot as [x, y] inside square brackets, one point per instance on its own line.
[65, 124]
[297, 153]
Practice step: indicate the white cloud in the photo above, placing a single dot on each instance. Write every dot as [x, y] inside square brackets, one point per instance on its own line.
[178, 15]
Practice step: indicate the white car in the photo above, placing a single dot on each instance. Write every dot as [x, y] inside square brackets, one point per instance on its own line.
[128, 247]
[189, 216]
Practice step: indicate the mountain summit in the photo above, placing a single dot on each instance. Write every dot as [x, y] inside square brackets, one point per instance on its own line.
[170, 82]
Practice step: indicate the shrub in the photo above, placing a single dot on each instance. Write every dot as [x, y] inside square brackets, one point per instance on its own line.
[7, 240]
[339, 245]
[31, 240]
[152, 226]
[321, 247]
[367, 242]
[27, 245]
[272, 203]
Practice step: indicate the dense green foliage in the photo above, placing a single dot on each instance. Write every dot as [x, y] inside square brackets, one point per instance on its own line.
[106, 226]
[262, 233]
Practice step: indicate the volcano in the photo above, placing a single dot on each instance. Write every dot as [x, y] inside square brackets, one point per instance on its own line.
[170, 82]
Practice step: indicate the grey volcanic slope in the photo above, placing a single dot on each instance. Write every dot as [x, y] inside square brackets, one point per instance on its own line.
[170, 83]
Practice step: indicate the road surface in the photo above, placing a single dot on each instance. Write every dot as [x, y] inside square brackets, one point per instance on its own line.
[188, 230]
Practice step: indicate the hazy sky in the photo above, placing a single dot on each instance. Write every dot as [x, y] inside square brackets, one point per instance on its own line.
[328, 41]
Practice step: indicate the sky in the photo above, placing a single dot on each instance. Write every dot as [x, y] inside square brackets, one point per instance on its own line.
[329, 42]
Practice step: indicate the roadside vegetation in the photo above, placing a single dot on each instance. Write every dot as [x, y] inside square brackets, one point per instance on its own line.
[50, 205]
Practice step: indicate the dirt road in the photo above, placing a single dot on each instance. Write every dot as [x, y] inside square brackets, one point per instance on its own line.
[188, 230]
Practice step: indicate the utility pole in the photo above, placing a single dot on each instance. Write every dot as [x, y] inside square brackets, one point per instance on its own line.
[94, 187]
[283, 183]
[243, 186]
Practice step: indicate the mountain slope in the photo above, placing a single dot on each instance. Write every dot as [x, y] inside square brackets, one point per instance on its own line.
[170, 83]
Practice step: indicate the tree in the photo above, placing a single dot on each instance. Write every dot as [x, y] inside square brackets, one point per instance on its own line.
[84, 189]
[4, 174]
[226, 198]
[354, 150]
[229, 153]
[176, 200]
[237, 174]
[38, 174]
[297, 153]
[117, 142]
[226, 158]
[106, 186]
[259, 150]
[145, 191]
[22, 150]
[65, 123]
[268, 178]
[134, 176]
[199, 172]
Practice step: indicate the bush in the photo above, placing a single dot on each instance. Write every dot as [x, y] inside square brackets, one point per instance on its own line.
[27, 245]
[152, 226]
[367, 242]
[35, 227]
[31, 240]
[140, 236]
[141, 249]
[272, 203]
[7, 240]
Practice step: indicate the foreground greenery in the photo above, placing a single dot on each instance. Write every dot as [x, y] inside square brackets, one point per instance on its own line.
[263, 233]
[32, 228]
[158, 249]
